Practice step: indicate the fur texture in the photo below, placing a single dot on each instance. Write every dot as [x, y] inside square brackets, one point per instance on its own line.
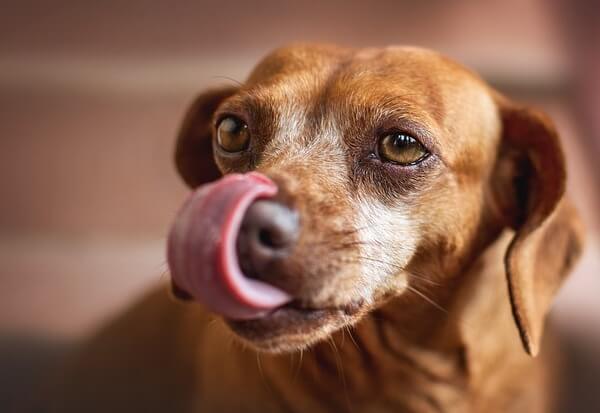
[420, 288]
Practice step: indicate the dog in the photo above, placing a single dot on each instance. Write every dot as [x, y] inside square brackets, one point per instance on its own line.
[404, 232]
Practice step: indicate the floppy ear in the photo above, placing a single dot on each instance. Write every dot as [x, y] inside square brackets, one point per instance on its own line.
[529, 185]
[193, 151]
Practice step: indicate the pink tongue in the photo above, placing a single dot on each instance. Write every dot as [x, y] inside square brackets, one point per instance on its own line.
[202, 248]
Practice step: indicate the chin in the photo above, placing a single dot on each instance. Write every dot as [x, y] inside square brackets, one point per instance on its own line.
[292, 328]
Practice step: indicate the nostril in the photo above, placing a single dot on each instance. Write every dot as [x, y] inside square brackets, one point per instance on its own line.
[268, 227]
[267, 235]
[267, 238]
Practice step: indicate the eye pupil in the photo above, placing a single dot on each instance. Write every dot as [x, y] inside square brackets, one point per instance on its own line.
[232, 134]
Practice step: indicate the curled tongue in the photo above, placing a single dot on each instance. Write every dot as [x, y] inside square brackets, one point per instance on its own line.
[202, 248]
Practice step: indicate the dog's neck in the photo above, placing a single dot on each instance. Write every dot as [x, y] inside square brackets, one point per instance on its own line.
[418, 354]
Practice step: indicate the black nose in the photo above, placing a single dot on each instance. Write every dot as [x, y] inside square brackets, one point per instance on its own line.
[268, 232]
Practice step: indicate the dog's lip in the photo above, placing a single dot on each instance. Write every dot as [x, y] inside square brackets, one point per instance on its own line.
[295, 318]
[300, 307]
[350, 308]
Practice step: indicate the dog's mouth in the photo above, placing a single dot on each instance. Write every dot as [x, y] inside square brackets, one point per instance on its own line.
[294, 326]
[204, 265]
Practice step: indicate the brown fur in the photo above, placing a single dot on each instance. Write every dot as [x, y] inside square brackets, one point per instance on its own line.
[488, 239]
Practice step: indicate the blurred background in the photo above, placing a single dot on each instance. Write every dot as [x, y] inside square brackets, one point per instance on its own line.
[92, 94]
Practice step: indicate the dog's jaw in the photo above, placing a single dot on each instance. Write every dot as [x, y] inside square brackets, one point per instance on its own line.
[292, 329]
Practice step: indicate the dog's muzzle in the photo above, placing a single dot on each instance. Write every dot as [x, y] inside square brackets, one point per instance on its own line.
[218, 219]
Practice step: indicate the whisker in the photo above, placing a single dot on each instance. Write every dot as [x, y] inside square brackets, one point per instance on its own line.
[462, 323]
[161, 265]
[354, 230]
[299, 366]
[352, 338]
[426, 298]
[348, 231]
[336, 247]
[334, 242]
[212, 323]
[346, 246]
[340, 368]
[399, 267]
[228, 78]
[260, 369]
[422, 278]
[164, 273]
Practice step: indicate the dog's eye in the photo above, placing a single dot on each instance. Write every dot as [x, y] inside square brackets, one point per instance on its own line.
[233, 134]
[401, 149]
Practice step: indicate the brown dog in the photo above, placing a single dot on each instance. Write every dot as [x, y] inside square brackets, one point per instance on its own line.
[430, 236]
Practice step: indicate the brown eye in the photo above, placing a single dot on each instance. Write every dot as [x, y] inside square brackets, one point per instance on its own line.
[233, 134]
[401, 149]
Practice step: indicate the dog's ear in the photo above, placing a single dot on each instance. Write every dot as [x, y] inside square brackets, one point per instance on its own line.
[193, 150]
[529, 185]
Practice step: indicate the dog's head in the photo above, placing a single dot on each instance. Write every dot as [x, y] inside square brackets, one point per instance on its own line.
[395, 167]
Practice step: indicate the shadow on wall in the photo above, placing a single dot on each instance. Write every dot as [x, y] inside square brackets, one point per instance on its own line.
[582, 375]
[27, 363]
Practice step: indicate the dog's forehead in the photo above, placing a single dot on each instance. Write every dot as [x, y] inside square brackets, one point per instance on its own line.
[295, 59]
[404, 72]
[309, 81]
